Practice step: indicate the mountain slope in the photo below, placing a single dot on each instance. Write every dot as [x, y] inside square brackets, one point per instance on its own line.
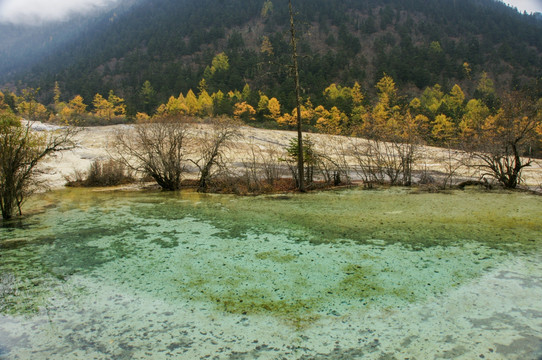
[170, 43]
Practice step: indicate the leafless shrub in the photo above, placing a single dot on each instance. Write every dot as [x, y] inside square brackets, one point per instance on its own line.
[332, 162]
[452, 162]
[212, 145]
[381, 162]
[370, 160]
[103, 173]
[157, 148]
[261, 169]
[253, 174]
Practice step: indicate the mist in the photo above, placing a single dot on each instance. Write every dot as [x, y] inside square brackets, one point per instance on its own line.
[38, 12]
[530, 6]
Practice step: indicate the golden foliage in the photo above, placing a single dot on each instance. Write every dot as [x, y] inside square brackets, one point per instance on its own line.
[444, 129]
[244, 111]
[273, 106]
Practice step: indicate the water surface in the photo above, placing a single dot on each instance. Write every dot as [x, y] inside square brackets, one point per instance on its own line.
[387, 274]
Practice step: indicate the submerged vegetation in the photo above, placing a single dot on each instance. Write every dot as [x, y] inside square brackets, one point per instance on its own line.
[301, 260]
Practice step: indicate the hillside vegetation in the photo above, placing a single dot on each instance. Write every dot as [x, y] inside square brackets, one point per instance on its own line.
[172, 43]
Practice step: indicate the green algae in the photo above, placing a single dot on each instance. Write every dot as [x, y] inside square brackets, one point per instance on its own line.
[280, 258]
[300, 259]
[498, 219]
[358, 283]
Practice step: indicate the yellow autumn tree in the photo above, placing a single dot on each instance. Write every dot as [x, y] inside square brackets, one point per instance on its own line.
[320, 113]
[221, 103]
[307, 112]
[32, 110]
[235, 96]
[3, 105]
[191, 102]
[57, 105]
[246, 93]
[109, 108]
[267, 8]
[29, 108]
[476, 113]
[119, 108]
[205, 104]
[74, 110]
[102, 107]
[357, 95]
[290, 119]
[244, 111]
[385, 114]
[263, 106]
[332, 122]
[273, 106]
[174, 107]
[266, 47]
[340, 97]
[444, 129]
[454, 102]
[220, 63]
[287, 120]
[142, 117]
[432, 99]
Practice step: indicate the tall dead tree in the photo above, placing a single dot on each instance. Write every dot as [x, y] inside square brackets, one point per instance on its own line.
[300, 169]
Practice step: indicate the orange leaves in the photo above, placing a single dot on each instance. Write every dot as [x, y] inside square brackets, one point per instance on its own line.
[244, 111]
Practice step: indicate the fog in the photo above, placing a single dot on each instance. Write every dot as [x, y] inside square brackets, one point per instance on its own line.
[530, 6]
[37, 12]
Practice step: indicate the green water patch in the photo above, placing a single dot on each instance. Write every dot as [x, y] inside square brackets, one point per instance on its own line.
[301, 258]
[497, 219]
[337, 274]
[298, 282]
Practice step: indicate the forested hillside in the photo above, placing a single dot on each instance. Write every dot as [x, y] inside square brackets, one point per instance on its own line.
[171, 45]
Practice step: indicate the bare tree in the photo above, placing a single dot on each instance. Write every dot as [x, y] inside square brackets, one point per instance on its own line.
[252, 173]
[21, 150]
[261, 168]
[157, 148]
[212, 147]
[377, 162]
[272, 170]
[407, 155]
[332, 162]
[503, 147]
[452, 160]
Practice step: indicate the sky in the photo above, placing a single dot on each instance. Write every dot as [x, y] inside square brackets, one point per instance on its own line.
[526, 5]
[41, 11]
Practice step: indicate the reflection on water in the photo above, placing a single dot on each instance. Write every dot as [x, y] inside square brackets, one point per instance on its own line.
[349, 274]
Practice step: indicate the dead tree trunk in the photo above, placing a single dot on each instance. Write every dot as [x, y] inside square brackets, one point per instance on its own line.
[300, 169]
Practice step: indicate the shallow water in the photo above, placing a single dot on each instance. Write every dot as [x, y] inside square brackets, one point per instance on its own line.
[388, 274]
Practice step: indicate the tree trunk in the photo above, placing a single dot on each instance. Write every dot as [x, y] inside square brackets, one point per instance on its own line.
[300, 169]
